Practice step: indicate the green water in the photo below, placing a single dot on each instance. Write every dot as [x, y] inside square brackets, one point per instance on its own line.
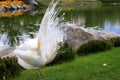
[14, 30]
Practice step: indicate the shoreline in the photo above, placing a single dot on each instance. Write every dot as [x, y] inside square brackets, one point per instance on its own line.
[65, 4]
[16, 7]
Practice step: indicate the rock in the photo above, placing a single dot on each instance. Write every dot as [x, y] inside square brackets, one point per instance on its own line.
[13, 6]
[2, 8]
[31, 2]
[101, 34]
[6, 7]
[7, 52]
[104, 34]
[27, 7]
[19, 7]
[75, 35]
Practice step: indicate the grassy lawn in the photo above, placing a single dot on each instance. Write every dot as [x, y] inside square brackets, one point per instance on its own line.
[81, 68]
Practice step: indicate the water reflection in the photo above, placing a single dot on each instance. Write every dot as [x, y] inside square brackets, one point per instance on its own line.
[101, 17]
[19, 28]
[11, 13]
[3, 42]
[3, 46]
[115, 27]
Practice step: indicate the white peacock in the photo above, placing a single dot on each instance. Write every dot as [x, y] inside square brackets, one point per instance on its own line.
[35, 53]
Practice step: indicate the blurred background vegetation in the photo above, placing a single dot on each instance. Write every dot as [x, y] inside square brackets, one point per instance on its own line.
[102, 1]
[66, 1]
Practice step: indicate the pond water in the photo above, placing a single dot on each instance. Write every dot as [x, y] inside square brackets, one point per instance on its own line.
[17, 26]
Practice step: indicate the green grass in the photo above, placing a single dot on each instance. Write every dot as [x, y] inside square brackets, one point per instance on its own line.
[88, 67]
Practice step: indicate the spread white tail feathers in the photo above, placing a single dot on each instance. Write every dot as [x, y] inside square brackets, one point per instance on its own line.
[41, 50]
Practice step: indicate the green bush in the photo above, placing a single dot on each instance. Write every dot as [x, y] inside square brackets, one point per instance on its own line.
[65, 53]
[9, 68]
[115, 41]
[94, 46]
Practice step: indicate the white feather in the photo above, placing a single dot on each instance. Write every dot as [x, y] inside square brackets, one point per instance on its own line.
[37, 52]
